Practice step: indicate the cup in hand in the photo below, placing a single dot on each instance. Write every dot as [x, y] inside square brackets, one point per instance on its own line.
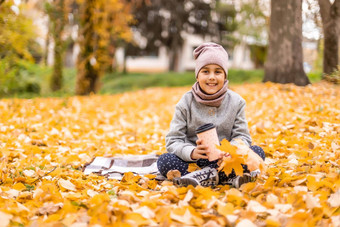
[208, 134]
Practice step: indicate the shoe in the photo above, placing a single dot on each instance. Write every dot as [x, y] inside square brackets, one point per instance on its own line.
[255, 173]
[205, 177]
[239, 180]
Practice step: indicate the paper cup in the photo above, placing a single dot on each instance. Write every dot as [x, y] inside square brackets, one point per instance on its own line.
[208, 134]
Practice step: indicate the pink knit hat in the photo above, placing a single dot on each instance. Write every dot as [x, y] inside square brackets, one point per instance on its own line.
[210, 53]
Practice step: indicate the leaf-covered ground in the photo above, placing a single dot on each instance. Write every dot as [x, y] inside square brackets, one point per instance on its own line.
[44, 143]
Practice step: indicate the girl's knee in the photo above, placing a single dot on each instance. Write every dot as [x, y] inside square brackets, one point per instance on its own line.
[164, 163]
[163, 159]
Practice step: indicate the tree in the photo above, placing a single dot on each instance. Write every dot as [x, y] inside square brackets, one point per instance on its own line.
[253, 24]
[16, 33]
[163, 22]
[284, 62]
[17, 47]
[225, 24]
[57, 12]
[330, 15]
[100, 22]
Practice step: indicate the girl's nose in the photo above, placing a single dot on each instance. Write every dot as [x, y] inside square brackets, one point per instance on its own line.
[211, 76]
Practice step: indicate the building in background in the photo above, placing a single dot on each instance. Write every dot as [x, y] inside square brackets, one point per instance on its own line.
[239, 57]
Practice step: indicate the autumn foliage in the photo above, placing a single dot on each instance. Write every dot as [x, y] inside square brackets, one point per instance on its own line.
[45, 142]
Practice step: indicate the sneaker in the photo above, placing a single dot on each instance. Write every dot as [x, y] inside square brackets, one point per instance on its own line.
[239, 180]
[205, 177]
[255, 173]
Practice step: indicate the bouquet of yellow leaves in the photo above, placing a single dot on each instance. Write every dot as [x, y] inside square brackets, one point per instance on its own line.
[235, 156]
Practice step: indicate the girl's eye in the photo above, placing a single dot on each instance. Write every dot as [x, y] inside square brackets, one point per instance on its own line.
[218, 72]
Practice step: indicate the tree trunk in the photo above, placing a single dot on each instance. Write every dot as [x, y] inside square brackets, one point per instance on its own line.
[47, 43]
[88, 75]
[176, 41]
[173, 64]
[58, 27]
[330, 15]
[174, 54]
[124, 63]
[285, 59]
[111, 54]
[57, 75]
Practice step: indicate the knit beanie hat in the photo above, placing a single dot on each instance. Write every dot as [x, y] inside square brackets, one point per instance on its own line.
[210, 53]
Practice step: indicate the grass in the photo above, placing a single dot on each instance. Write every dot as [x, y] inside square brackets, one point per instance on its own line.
[118, 83]
[314, 76]
[113, 83]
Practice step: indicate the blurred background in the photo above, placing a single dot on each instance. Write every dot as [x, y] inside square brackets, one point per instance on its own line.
[68, 47]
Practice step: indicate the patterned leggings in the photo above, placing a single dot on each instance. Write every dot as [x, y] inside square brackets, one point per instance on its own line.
[168, 161]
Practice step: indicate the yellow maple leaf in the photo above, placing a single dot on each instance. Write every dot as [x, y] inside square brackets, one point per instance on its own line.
[152, 184]
[225, 209]
[19, 186]
[193, 167]
[130, 178]
[233, 161]
[150, 176]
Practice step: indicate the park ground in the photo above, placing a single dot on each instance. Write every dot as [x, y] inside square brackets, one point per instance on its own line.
[298, 128]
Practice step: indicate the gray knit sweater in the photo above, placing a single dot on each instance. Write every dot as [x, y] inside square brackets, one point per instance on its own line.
[189, 114]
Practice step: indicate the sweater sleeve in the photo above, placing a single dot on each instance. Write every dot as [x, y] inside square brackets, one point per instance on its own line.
[240, 127]
[176, 142]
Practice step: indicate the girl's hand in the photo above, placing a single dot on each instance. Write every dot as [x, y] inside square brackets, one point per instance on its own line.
[200, 152]
[220, 159]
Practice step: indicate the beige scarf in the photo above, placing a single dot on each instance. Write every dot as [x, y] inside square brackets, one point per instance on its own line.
[214, 100]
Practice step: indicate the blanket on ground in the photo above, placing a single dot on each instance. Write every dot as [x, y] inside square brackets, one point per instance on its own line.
[115, 167]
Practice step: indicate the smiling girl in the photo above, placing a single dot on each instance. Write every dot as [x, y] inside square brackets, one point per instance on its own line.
[209, 101]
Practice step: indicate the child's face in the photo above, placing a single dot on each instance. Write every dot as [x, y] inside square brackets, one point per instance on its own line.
[211, 78]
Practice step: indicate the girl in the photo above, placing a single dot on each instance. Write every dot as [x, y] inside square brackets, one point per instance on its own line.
[209, 101]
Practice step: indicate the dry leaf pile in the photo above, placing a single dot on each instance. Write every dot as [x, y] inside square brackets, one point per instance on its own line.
[45, 142]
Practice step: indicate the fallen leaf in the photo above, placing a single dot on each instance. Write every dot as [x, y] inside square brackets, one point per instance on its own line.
[19, 186]
[66, 184]
[311, 201]
[225, 209]
[173, 174]
[91, 192]
[334, 199]
[50, 208]
[5, 219]
[193, 167]
[246, 223]
[187, 198]
[256, 207]
[29, 173]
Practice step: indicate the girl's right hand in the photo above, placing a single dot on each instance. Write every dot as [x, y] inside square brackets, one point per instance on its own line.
[200, 152]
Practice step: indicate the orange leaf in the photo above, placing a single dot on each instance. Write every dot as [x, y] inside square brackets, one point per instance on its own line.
[173, 174]
[233, 161]
[193, 167]
[19, 186]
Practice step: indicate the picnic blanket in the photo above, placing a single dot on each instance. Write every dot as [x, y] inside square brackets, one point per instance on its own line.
[115, 167]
